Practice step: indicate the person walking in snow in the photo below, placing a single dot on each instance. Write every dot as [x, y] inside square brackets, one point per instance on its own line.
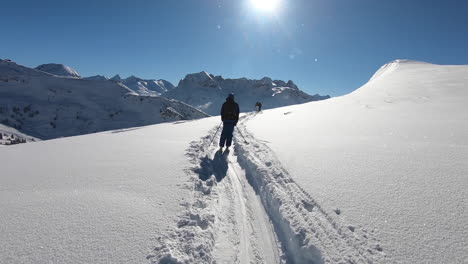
[258, 106]
[230, 116]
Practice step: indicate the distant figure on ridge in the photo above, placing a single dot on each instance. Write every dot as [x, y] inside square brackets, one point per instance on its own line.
[258, 106]
[229, 116]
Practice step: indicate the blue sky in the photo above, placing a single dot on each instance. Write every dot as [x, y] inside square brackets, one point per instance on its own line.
[325, 46]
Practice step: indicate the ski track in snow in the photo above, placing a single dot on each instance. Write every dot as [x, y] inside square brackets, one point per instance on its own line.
[246, 208]
[309, 234]
[225, 221]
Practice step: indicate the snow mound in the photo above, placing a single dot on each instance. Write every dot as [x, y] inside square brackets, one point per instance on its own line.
[59, 70]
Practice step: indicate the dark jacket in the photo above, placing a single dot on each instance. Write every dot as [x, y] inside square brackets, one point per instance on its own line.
[230, 110]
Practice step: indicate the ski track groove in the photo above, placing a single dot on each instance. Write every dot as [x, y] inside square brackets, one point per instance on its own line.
[218, 224]
[256, 213]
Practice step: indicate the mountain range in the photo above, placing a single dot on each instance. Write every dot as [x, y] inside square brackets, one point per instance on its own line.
[54, 100]
[207, 92]
[46, 106]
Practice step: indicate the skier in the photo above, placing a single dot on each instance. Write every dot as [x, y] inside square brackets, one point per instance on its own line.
[230, 117]
[258, 106]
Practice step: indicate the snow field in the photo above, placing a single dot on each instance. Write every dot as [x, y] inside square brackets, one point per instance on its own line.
[100, 198]
[308, 233]
[247, 209]
[389, 157]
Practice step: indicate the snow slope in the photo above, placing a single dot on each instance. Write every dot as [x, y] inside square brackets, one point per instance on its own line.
[390, 159]
[380, 179]
[59, 70]
[46, 106]
[98, 198]
[206, 92]
[9, 135]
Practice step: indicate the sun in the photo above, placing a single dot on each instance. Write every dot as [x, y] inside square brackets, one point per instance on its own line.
[269, 6]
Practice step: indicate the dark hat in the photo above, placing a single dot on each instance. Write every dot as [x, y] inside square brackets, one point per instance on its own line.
[231, 96]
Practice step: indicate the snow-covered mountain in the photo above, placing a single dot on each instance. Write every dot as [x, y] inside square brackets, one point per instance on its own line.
[59, 70]
[147, 87]
[381, 178]
[96, 78]
[46, 106]
[144, 87]
[207, 92]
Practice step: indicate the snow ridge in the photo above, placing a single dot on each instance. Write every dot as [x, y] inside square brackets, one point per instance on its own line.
[309, 234]
[392, 66]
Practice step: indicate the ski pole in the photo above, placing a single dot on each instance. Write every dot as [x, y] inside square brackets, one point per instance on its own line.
[215, 134]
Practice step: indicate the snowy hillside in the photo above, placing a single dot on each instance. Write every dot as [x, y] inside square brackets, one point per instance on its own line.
[207, 92]
[98, 198]
[390, 160]
[59, 70]
[45, 106]
[381, 178]
[10, 136]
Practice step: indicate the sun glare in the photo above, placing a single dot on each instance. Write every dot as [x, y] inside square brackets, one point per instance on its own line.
[265, 5]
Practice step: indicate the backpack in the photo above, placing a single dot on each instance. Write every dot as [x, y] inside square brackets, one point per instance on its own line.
[230, 111]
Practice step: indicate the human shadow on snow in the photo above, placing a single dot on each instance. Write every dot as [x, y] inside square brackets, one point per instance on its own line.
[217, 166]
